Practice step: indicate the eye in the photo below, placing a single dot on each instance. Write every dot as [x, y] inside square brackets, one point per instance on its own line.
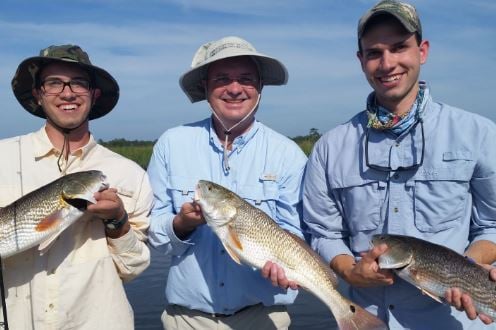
[80, 83]
[53, 83]
[222, 80]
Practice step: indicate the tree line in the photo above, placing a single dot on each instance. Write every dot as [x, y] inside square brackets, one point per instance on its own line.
[140, 151]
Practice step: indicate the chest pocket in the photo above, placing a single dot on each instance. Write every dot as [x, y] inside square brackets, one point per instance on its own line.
[263, 195]
[361, 201]
[441, 194]
[181, 190]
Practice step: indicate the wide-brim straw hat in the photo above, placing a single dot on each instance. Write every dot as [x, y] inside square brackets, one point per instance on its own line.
[272, 71]
[28, 71]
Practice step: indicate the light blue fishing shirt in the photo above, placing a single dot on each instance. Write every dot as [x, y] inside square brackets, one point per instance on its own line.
[449, 200]
[266, 169]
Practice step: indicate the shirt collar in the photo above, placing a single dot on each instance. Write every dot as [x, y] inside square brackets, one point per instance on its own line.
[238, 142]
[43, 147]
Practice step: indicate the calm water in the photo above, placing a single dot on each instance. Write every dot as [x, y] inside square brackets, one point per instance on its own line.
[147, 296]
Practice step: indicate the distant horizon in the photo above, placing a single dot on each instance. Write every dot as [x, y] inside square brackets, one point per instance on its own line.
[148, 45]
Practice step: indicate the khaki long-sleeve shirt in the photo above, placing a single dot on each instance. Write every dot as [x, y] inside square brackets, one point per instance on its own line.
[77, 284]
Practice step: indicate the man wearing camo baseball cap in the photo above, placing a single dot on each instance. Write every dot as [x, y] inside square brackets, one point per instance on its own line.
[78, 282]
[404, 167]
[206, 289]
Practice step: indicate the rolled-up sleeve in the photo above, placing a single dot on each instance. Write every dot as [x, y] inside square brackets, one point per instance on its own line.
[320, 211]
[129, 252]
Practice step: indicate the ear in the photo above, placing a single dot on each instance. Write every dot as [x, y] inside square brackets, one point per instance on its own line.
[360, 58]
[424, 51]
[96, 94]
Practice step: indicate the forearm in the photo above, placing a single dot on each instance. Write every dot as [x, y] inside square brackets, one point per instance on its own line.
[482, 252]
[343, 264]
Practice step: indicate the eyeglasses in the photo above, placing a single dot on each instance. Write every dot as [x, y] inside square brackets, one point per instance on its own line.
[401, 168]
[56, 86]
[245, 81]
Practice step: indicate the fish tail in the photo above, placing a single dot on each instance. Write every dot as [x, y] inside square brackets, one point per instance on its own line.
[358, 318]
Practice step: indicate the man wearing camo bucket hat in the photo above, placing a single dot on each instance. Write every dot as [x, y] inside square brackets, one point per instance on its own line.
[205, 287]
[77, 283]
[406, 165]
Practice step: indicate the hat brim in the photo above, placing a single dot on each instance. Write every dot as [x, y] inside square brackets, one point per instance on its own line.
[272, 72]
[24, 82]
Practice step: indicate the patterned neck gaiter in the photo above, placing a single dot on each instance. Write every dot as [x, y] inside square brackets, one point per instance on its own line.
[380, 118]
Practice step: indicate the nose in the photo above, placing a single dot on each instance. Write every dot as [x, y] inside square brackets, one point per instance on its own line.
[234, 87]
[67, 91]
[387, 61]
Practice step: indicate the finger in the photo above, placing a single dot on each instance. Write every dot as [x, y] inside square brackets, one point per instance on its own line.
[266, 269]
[274, 275]
[485, 319]
[468, 306]
[456, 298]
[282, 281]
[374, 253]
[492, 273]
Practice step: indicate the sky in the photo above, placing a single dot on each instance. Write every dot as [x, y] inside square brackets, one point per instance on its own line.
[147, 45]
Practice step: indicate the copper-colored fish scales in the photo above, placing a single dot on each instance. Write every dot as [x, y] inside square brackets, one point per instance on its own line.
[434, 268]
[40, 216]
[250, 236]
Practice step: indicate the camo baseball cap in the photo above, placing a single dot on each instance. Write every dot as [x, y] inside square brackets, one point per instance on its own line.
[27, 72]
[272, 71]
[404, 12]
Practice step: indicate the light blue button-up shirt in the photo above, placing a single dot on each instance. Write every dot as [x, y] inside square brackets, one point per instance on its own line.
[449, 200]
[266, 169]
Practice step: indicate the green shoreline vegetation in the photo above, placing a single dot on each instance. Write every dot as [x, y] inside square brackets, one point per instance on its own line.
[140, 151]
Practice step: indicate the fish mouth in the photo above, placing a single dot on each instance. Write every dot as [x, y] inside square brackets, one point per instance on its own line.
[197, 195]
[78, 203]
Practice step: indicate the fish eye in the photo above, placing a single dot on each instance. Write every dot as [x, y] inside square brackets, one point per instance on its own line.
[352, 309]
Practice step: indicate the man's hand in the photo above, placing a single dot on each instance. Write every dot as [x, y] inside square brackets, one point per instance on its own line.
[276, 275]
[188, 218]
[463, 301]
[365, 273]
[109, 206]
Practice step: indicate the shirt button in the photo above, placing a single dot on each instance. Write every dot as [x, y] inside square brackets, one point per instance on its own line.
[395, 210]
[50, 306]
[391, 307]
[221, 284]
[397, 144]
[222, 251]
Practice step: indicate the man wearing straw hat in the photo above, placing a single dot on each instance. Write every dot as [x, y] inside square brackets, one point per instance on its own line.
[205, 287]
[77, 283]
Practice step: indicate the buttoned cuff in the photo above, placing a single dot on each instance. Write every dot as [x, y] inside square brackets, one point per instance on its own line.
[125, 243]
[178, 246]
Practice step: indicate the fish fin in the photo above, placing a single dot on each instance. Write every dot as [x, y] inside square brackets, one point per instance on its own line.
[233, 255]
[50, 221]
[234, 238]
[56, 218]
[427, 293]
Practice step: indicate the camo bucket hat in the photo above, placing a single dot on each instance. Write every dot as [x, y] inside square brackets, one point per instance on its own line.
[25, 79]
[404, 12]
[272, 71]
